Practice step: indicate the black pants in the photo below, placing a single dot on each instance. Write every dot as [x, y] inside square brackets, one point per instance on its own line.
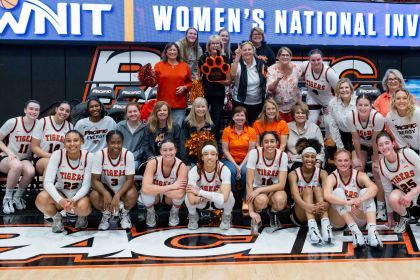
[216, 113]
[253, 110]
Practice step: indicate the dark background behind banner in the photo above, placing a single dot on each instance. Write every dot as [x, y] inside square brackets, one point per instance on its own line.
[51, 73]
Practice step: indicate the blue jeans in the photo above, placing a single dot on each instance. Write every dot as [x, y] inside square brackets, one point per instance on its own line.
[178, 116]
[233, 172]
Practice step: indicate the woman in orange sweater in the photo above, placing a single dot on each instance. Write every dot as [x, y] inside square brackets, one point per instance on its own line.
[173, 80]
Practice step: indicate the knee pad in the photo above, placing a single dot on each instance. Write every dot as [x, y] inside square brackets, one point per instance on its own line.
[147, 200]
[228, 205]
[367, 205]
[178, 202]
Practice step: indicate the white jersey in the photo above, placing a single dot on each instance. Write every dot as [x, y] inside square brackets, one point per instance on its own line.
[19, 137]
[113, 171]
[161, 179]
[375, 123]
[70, 176]
[406, 175]
[351, 188]
[50, 134]
[94, 133]
[212, 181]
[320, 86]
[405, 131]
[314, 182]
[266, 171]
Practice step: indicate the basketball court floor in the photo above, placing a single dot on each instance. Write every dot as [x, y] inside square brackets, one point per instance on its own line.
[29, 250]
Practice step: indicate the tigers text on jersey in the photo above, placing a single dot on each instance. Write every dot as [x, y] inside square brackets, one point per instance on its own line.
[113, 171]
[314, 182]
[212, 181]
[159, 178]
[266, 171]
[319, 86]
[70, 174]
[50, 134]
[20, 137]
[351, 187]
[405, 176]
[375, 123]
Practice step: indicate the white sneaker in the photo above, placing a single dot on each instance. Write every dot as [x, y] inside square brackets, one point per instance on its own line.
[374, 239]
[400, 227]
[104, 224]
[225, 223]
[19, 202]
[173, 217]
[327, 234]
[358, 239]
[254, 228]
[315, 235]
[151, 217]
[8, 206]
[381, 214]
[125, 219]
[193, 221]
[57, 225]
[81, 222]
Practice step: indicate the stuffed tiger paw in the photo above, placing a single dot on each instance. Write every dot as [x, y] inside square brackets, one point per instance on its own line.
[215, 68]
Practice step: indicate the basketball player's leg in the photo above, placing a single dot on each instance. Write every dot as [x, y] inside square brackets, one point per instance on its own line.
[13, 169]
[41, 165]
[174, 198]
[308, 197]
[82, 207]
[130, 198]
[260, 202]
[227, 207]
[278, 201]
[395, 204]
[380, 196]
[149, 201]
[314, 109]
[193, 202]
[28, 173]
[46, 204]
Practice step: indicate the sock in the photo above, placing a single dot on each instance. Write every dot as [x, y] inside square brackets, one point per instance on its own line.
[19, 191]
[312, 223]
[354, 228]
[9, 193]
[175, 209]
[106, 213]
[57, 216]
[325, 222]
[381, 204]
[371, 227]
[150, 209]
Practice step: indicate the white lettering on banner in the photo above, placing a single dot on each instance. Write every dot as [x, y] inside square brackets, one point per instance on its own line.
[59, 19]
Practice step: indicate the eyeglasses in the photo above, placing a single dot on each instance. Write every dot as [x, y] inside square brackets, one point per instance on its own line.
[393, 79]
[285, 55]
[215, 43]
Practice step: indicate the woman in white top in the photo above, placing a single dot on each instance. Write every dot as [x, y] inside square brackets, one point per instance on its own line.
[404, 120]
[113, 181]
[351, 194]
[67, 183]
[209, 187]
[282, 83]
[401, 169]
[344, 102]
[266, 177]
[48, 135]
[165, 175]
[306, 184]
[15, 156]
[95, 127]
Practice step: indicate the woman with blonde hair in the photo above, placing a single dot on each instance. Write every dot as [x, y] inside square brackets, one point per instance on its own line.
[282, 83]
[198, 120]
[160, 127]
[344, 102]
[403, 120]
[190, 50]
[269, 120]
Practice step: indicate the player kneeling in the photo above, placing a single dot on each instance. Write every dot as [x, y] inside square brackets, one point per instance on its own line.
[66, 183]
[351, 194]
[265, 180]
[306, 187]
[164, 175]
[209, 187]
[113, 181]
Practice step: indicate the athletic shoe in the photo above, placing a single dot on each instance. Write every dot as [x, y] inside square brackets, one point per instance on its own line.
[374, 239]
[173, 217]
[125, 220]
[8, 206]
[315, 236]
[274, 219]
[151, 217]
[104, 224]
[193, 221]
[225, 223]
[254, 228]
[81, 222]
[19, 202]
[57, 225]
[381, 214]
[358, 239]
[327, 234]
[400, 227]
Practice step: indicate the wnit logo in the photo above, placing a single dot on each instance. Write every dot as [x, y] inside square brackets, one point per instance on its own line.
[65, 18]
